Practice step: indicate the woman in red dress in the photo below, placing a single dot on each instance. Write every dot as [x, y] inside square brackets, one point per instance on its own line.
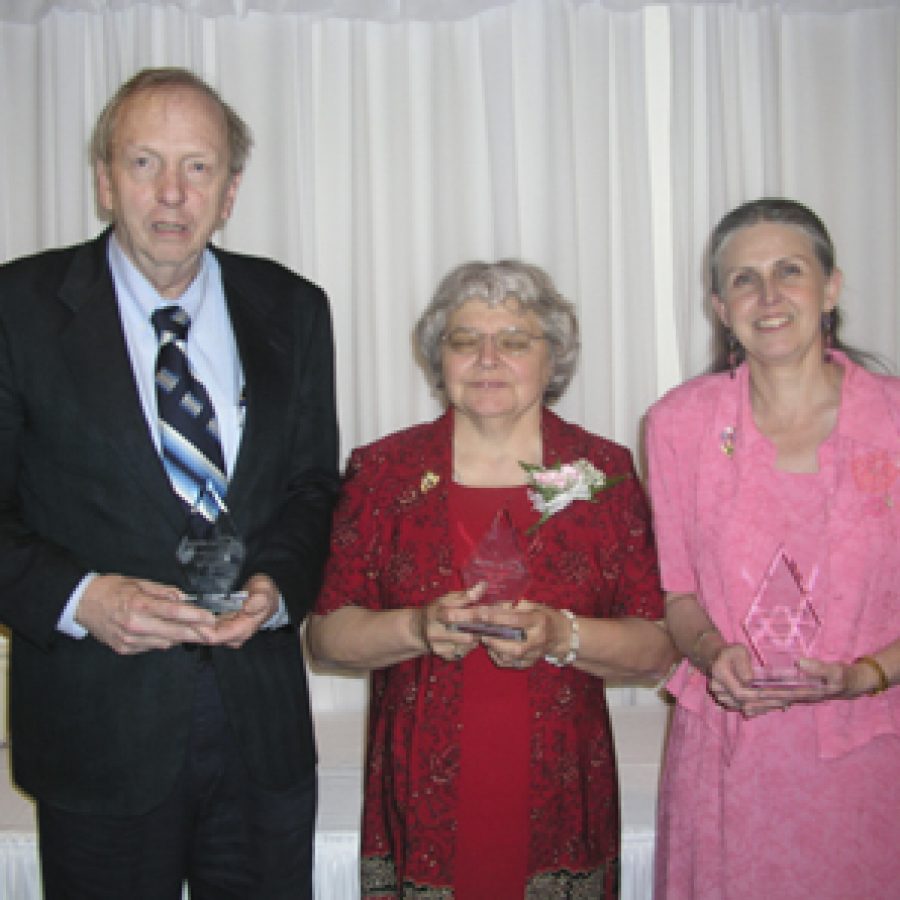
[490, 768]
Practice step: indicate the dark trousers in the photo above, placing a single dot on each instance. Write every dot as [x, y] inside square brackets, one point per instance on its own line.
[220, 832]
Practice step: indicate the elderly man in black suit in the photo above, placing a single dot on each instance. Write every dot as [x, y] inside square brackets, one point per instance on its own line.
[162, 741]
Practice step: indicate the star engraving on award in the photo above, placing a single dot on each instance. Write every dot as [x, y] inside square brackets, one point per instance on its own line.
[781, 624]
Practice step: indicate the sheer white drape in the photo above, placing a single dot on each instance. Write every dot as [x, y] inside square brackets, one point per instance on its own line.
[600, 140]
[386, 153]
[805, 105]
[385, 10]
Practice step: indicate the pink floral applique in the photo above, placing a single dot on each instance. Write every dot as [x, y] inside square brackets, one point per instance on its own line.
[876, 474]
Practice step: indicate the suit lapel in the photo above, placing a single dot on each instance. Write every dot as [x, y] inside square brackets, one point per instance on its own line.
[266, 363]
[93, 346]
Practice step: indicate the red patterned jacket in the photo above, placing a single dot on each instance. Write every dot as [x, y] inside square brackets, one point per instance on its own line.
[391, 548]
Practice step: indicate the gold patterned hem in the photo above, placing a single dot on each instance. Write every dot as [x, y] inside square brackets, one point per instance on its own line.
[423, 892]
[564, 885]
[378, 878]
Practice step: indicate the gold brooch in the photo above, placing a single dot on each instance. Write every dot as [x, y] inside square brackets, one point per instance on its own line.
[429, 481]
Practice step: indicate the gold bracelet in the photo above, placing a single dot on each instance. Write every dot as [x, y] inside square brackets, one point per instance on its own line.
[421, 628]
[872, 663]
[705, 633]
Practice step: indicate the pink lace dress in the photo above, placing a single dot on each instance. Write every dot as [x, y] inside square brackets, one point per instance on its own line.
[797, 804]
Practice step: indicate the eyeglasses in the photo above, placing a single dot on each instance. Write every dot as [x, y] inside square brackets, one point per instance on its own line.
[508, 341]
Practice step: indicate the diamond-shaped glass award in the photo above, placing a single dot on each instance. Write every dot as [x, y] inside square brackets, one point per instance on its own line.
[212, 561]
[498, 560]
[782, 625]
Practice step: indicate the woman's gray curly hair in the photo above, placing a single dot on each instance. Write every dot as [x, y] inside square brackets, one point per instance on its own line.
[529, 287]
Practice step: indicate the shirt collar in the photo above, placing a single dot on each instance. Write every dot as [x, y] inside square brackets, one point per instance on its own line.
[133, 285]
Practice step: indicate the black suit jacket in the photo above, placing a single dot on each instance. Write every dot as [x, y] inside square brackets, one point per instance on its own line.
[82, 489]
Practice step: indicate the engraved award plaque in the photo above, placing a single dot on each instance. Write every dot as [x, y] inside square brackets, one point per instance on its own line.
[211, 562]
[781, 625]
[498, 560]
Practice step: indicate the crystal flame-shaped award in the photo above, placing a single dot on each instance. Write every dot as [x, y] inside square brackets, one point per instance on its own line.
[499, 561]
[781, 625]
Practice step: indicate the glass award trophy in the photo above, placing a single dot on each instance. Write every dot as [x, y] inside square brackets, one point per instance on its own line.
[211, 561]
[781, 625]
[498, 560]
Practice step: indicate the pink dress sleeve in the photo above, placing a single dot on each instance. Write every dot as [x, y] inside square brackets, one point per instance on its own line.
[670, 478]
[676, 425]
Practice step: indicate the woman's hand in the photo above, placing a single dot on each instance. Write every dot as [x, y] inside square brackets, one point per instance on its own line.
[730, 685]
[829, 681]
[546, 632]
[728, 667]
[730, 677]
[439, 620]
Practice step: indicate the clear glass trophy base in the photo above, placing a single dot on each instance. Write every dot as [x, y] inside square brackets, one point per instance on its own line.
[506, 632]
[787, 677]
[229, 601]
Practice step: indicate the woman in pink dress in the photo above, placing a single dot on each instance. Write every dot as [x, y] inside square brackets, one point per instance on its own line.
[776, 499]
[490, 768]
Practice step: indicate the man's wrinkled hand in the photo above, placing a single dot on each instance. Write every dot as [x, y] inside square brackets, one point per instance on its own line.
[131, 615]
[234, 629]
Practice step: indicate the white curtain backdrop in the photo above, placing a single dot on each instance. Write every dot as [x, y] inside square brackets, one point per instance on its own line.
[600, 139]
[793, 99]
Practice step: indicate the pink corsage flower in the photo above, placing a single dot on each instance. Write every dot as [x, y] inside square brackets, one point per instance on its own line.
[551, 489]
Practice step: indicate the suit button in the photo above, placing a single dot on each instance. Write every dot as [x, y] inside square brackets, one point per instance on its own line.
[201, 653]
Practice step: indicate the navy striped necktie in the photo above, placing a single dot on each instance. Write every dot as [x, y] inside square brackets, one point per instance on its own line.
[189, 432]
